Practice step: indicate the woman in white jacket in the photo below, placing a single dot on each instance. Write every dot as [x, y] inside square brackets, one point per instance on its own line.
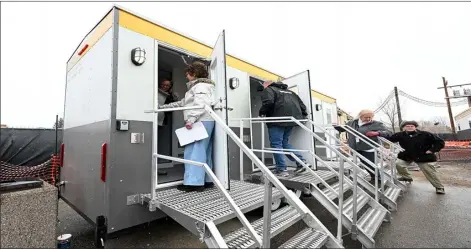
[200, 93]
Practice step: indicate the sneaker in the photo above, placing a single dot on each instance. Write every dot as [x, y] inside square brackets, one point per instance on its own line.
[283, 173]
[405, 179]
[300, 168]
[440, 191]
[208, 184]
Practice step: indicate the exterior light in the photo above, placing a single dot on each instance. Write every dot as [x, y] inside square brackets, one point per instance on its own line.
[138, 56]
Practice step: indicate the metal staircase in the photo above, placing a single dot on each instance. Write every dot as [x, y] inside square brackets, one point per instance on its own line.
[353, 207]
[388, 189]
[202, 212]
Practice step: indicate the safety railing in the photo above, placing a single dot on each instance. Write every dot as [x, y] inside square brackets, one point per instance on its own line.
[364, 162]
[270, 180]
[342, 158]
[339, 194]
[381, 153]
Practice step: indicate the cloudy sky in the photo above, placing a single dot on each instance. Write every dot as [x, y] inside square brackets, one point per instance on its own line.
[356, 52]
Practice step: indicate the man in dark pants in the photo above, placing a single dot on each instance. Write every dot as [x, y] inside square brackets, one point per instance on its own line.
[278, 101]
[419, 147]
[371, 128]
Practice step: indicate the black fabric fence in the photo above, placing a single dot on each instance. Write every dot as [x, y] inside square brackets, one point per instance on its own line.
[28, 147]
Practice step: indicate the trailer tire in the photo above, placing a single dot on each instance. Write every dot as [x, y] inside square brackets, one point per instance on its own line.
[296, 192]
[275, 204]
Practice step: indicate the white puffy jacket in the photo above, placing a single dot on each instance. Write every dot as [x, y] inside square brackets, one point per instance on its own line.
[200, 92]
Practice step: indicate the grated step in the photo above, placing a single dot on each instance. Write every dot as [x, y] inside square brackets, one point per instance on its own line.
[392, 193]
[307, 239]
[371, 221]
[331, 195]
[363, 199]
[281, 219]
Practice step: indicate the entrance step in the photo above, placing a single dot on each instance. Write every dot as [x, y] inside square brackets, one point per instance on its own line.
[281, 219]
[306, 239]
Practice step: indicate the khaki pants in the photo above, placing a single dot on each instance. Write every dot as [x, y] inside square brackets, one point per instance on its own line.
[427, 168]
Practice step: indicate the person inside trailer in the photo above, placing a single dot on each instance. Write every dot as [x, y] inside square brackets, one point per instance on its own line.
[371, 128]
[200, 92]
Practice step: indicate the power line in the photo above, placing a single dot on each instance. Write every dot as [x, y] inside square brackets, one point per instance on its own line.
[418, 100]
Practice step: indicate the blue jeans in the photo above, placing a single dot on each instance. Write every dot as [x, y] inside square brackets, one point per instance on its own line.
[200, 151]
[279, 138]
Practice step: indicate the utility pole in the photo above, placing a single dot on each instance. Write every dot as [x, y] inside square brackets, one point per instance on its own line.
[399, 115]
[450, 113]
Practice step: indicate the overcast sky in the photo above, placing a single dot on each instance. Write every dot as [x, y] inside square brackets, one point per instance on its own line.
[356, 52]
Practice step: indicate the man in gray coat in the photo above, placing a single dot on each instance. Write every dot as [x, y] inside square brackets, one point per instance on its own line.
[371, 128]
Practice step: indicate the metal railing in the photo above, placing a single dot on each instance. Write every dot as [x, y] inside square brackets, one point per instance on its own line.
[365, 162]
[339, 194]
[381, 153]
[340, 174]
[270, 179]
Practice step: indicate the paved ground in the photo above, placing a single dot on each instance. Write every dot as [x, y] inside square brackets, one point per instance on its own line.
[423, 220]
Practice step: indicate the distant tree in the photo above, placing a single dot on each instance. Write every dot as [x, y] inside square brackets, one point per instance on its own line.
[390, 111]
[435, 125]
[60, 123]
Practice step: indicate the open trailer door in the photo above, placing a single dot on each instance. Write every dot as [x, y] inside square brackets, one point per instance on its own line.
[300, 139]
[218, 75]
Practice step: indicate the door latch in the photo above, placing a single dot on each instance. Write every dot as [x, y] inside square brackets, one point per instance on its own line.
[229, 108]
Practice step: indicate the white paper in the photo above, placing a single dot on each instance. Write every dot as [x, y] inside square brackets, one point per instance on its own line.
[186, 136]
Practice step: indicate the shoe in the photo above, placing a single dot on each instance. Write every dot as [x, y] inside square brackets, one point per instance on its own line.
[208, 184]
[186, 188]
[405, 179]
[282, 173]
[300, 168]
[440, 191]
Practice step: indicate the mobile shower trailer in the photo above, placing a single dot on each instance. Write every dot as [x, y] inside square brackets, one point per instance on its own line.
[112, 79]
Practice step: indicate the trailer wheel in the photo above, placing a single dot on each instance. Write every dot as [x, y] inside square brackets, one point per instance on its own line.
[296, 192]
[275, 204]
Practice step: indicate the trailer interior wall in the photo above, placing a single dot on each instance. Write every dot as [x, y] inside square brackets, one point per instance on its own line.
[87, 116]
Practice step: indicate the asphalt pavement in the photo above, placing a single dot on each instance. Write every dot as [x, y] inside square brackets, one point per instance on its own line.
[423, 220]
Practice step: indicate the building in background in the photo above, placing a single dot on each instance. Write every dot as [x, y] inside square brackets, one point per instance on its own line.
[463, 120]
[3, 126]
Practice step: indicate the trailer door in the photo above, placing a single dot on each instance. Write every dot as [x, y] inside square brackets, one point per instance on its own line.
[218, 74]
[301, 139]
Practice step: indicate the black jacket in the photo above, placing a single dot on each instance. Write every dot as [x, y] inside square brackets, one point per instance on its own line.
[415, 145]
[278, 101]
[373, 126]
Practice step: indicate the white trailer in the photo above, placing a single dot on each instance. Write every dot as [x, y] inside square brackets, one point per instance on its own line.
[110, 145]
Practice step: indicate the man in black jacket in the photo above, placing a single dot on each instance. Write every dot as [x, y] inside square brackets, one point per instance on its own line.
[278, 101]
[419, 147]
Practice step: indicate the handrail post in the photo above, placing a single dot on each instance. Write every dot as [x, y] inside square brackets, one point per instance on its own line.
[267, 214]
[339, 225]
[376, 175]
[262, 129]
[355, 198]
[241, 153]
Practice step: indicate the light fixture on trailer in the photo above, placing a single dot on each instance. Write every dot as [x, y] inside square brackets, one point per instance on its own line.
[234, 82]
[138, 56]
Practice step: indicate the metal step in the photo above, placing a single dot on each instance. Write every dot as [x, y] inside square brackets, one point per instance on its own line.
[371, 221]
[281, 219]
[209, 205]
[331, 195]
[363, 199]
[392, 193]
[306, 239]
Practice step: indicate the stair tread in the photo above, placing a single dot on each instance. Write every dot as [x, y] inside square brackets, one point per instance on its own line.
[335, 186]
[280, 220]
[392, 193]
[306, 239]
[371, 221]
[363, 199]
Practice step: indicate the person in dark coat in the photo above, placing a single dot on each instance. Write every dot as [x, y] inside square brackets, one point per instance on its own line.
[371, 128]
[419, 147]
[278, 101]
